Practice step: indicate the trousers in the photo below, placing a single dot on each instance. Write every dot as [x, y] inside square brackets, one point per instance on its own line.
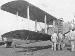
[72, 45]
[54, 46]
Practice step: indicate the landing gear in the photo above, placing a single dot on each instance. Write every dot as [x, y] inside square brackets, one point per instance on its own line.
[8, 44]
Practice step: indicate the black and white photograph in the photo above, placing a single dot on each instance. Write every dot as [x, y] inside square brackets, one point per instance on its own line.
[37, 27]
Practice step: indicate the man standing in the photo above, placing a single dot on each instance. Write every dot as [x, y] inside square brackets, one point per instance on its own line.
[54, 41]
[60, 40]
[72, 39]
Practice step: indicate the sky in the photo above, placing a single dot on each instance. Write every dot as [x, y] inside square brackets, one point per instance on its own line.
[59, 8]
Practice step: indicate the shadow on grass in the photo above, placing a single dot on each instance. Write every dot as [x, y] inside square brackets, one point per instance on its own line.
[32, 49]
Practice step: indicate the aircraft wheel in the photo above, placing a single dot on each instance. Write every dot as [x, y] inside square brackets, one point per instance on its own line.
[8, 44]
[13, 44]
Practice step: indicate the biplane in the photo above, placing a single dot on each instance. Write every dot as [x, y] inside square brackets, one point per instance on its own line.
[26, 10]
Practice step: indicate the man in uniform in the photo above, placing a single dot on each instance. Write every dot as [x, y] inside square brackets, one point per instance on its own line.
[54, 41]
[72, 39]
[60, 40]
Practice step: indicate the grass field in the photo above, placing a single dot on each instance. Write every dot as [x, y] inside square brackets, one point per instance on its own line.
[35, 49]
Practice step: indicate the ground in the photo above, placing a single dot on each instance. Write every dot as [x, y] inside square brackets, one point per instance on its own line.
[35, 49]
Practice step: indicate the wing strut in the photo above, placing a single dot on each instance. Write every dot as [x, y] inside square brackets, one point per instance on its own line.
[36, 25]
[45, 20]
[28, 16]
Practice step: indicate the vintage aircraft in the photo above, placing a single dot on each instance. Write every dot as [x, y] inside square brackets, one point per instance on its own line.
[28, 11]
